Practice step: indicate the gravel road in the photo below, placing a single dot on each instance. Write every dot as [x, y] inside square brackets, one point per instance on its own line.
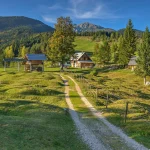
[103, 125]
[88, 137]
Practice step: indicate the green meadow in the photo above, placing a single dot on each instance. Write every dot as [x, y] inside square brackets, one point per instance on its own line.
[32, 113]
[122, 86]
[84, 44]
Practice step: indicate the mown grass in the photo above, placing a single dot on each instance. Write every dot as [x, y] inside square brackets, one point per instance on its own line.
[84, 44]
[32, 113]
[123, 86]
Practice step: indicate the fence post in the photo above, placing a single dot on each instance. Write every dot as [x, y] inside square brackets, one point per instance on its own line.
[107, 98]
[126, 112]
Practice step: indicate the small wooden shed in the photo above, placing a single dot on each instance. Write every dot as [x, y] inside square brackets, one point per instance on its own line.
[34, 62]
[132, 63]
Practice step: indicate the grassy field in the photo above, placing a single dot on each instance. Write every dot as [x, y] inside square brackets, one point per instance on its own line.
[32, 113]
[97, 127]
[122, 86]
[84, 44]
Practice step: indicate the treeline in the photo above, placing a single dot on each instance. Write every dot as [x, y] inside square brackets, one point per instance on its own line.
[118, 48]
[35, 43]
[94, 34]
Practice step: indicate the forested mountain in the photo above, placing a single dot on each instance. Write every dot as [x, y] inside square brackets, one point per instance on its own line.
[36, 26]
[19, 28]
[137, 32]
[89, 27]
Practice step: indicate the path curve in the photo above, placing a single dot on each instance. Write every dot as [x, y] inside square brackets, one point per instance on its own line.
[88, 137]
[130, 142]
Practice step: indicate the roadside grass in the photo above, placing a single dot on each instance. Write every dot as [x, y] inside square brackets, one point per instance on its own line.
[123, 86]
[32, 113]
[102, 132]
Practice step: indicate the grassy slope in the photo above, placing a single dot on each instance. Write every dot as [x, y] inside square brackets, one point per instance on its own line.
[84, 44]
[124, 86]
[32, 114]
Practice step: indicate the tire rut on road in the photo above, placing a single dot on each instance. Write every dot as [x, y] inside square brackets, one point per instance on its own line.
[88, 137]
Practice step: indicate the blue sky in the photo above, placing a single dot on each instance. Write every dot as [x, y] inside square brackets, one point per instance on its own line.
[107, 13]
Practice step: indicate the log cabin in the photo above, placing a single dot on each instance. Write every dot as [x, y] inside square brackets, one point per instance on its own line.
[34, 62]
[81, 60]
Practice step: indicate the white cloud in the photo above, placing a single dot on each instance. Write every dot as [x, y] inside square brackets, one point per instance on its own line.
[49, 19]
[55, 7]
[82, 10]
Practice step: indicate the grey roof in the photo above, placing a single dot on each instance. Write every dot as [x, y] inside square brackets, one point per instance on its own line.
[36, 56]
[132, 61]
[78, 55]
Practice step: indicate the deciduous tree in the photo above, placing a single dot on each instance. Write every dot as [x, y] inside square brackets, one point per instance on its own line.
[61, 43]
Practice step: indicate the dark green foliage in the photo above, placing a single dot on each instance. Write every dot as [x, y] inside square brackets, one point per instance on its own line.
[130, 39]
[20, 31]
[138, 33]
[61, 43]
[143, 59]
[101, 53]
[123, 54]
[7, 23]
[114, 52]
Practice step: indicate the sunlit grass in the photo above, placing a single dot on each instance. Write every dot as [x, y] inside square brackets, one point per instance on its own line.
[123, 86]
[32, 113]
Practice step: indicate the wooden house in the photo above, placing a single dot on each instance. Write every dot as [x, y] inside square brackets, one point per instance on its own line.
[34, 62]
[81, 60]
[132, 63]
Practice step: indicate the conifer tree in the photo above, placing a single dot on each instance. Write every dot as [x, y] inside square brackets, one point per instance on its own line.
[114, 52]
[61, 43]
[106, 51]
[130, 39]
[123, 53]
[143, 59]
[101, 53]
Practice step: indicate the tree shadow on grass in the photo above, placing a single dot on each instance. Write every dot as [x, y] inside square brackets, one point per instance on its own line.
[35, 125]
[41, 92]
[145, 106]
[143, 95]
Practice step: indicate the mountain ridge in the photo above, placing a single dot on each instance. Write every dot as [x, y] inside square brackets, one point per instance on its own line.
[90, 27]
[11, 22]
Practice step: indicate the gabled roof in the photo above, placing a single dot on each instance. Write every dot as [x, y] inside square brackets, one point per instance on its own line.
[78, 55]
[36, 56]
[132, 61]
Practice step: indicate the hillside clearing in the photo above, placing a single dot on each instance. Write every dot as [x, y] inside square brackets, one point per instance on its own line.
[84, 44]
